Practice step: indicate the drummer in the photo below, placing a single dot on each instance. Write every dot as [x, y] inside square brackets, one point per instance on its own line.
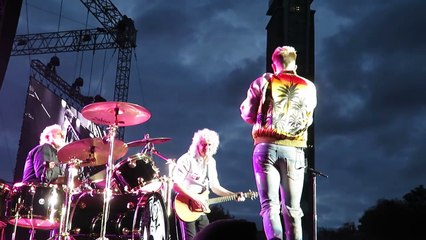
[42, 164]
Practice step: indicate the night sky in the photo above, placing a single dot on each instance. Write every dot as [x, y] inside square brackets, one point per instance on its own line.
[195, 60]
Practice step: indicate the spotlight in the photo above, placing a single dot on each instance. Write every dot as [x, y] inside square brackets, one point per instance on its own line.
[78, 83]
[54, 61]
[99, 98]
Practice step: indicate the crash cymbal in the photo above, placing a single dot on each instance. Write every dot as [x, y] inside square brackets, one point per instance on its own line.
[119, 113]
[145, 141]
[91, 151]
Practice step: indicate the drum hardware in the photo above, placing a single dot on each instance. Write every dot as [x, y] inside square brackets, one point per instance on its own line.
[91, 151]
[83, 153]
[114, 115]
[4, 195]
[132, 216]
[137, 173]
[64, 233]
[15, 225]
[35, 206]
[150, 149]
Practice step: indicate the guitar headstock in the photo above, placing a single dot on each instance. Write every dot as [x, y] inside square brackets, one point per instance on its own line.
[250, 194]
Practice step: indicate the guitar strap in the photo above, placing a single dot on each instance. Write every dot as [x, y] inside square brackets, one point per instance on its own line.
[206, 181]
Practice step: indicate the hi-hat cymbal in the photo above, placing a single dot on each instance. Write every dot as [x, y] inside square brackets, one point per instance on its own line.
[145, 141]
[119, 113]
[91, 151]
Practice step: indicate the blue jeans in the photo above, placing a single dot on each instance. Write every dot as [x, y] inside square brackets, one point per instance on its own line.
[279, 173]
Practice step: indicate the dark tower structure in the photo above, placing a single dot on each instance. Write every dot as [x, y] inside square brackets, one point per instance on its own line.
[292, 23]
[9, 16]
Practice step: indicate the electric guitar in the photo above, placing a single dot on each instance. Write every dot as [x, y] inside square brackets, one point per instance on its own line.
[186, 210]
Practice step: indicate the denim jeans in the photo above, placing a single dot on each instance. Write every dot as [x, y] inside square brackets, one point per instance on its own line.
[279, 173]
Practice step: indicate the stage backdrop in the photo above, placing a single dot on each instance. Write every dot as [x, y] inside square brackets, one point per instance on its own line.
[43, 108]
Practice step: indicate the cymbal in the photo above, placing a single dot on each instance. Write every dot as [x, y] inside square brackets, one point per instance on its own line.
[119, 113]
[99, 176]
[145, 141]
[91, 151]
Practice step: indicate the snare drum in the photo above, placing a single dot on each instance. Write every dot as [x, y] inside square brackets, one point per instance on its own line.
[137, 173]
[4, 195]
[36, 206]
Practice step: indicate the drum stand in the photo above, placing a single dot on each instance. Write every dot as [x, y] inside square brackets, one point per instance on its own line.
[108, 190]
[15, 226]
[64, 231]
[18, 207]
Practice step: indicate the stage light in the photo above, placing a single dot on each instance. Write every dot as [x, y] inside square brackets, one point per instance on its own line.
[99, 98]
[22, 42]
[86, 38]
[54, 62]
[78, 83]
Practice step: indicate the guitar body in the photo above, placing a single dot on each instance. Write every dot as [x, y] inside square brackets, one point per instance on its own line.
[186, 212]
[185, 209]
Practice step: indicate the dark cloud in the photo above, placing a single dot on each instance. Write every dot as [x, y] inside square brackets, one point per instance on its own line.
[369, 120]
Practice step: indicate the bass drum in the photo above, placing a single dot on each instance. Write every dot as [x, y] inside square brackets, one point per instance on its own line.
[152, 223]
[131, 216]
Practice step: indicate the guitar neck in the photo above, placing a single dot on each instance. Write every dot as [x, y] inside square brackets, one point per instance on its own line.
[222, 199]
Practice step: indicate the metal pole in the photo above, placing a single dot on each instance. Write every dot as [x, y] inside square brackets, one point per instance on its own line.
[108, 190]
[315, 173]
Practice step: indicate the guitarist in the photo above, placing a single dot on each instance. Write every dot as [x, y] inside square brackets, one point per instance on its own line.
[194, 175]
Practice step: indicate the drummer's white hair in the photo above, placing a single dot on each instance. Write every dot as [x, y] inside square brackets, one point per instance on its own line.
[45, 136]
[209, 136]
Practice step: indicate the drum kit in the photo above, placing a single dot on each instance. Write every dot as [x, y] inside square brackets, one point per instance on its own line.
[129, 199]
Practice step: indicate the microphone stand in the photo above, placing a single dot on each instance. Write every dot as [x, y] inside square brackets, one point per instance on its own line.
[315, 173]
[171, 164]
[168, 192]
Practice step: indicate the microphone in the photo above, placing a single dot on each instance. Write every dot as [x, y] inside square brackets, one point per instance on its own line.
[317, 172]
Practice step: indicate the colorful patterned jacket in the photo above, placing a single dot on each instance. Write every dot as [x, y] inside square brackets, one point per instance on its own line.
[280, 107]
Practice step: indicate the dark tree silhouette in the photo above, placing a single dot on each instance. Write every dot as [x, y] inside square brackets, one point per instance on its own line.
[347, 231]
[396, 219]
[218, 213]
[388, 220]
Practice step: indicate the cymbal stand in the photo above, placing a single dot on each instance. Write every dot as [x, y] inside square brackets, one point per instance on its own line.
[109, 171]
[64, 231]
[15, 226]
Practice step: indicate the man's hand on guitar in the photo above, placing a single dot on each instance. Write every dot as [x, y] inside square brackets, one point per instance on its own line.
[240, 197]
